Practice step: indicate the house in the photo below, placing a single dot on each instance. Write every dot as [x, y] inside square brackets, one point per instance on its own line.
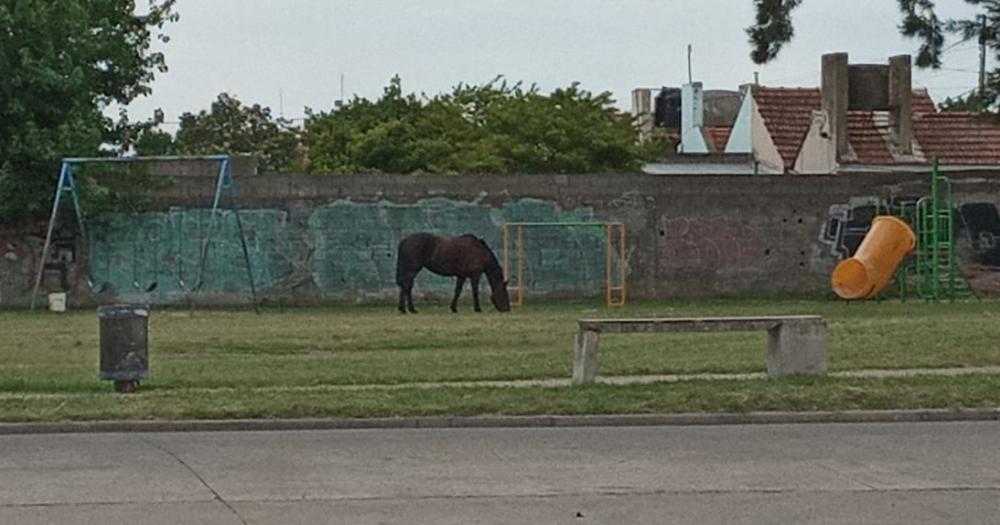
[699, 121]
[863, 117]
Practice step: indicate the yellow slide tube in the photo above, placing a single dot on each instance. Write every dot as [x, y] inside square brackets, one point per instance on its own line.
[871, 268]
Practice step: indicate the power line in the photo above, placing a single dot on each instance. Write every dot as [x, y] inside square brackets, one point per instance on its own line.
[961, 45]
[964, 86]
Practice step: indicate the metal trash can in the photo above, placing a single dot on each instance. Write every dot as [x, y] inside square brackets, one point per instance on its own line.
[124, 343]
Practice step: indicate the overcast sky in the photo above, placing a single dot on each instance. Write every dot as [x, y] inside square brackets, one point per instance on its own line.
[289, 54]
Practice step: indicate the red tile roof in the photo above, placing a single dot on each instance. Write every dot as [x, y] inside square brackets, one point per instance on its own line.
[787, 113]
[865, 138]
[719, 136]
[958, 137]
[921, 103]
[955, 137]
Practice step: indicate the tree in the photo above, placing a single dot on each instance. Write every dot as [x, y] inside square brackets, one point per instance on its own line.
[772, 29]
[153, 142]
[366, 136]
[969, 102]
[490, 128]
[63, 62]
[230, 127]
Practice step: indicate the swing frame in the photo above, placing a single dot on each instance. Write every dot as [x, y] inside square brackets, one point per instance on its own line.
[224, 182]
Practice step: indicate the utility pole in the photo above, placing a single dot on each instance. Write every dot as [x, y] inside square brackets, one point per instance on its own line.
[982, 62]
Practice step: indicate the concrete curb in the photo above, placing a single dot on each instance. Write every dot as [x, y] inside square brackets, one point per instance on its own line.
[749, 418]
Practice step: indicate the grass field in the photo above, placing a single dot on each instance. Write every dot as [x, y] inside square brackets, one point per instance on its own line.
[295, 363]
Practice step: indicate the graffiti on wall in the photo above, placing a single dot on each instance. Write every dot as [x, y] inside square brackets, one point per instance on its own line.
[977, 231]
[356, 243]
[977, 225]
[714, 243]
[980, 226]
[19, 261]
[15, 261]
[163, 251]
[344, 249]
[11, 251]
[847, 224]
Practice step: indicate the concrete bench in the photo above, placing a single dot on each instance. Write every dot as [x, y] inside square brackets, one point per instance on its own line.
[796, 344]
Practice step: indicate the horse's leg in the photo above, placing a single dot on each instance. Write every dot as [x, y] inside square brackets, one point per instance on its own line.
[405, 282]
[459, 283]
[475, 293]
[409, 294]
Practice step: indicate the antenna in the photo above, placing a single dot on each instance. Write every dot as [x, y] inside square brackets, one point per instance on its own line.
[281, 103]
[689, 64]
[340, 101]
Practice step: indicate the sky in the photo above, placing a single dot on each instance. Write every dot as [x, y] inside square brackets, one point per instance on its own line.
[292, 54]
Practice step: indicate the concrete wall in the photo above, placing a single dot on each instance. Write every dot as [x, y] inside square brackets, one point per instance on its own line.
[325, 239]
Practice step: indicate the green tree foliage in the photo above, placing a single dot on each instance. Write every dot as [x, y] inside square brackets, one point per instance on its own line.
[968, 102]
[153, 142]
[491, 128]
[61, 63]
[229, 126]
[772, 29]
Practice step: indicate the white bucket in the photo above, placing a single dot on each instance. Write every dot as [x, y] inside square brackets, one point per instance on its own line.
[57, 302]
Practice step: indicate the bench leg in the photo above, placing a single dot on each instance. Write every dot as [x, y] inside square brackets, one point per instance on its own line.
[585, 357]
[796, 347]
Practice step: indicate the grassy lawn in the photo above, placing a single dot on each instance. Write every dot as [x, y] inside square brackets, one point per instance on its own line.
[226, 363]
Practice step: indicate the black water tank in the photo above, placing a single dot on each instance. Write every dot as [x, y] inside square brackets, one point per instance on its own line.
[868, 87]
[667, 108]
[124, 344]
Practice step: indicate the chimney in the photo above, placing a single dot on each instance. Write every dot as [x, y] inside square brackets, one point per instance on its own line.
[901, 103]
[642, 111]
[834, 93]
[692, 119]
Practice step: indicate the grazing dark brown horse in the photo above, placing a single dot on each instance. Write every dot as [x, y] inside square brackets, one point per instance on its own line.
[465, 257]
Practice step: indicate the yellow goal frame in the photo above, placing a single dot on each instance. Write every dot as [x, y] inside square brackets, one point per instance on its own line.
[614, 294]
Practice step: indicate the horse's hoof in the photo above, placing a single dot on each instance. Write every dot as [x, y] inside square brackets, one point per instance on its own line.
[412, 311]
[479, 309]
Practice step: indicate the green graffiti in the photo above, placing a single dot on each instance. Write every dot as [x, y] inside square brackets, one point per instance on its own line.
[132, 252]
[347, 249]
[355, 243]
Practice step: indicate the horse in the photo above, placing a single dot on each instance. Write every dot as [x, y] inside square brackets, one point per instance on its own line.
[464, 257]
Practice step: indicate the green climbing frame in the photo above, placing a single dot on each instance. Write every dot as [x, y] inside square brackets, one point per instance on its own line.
[937, 272]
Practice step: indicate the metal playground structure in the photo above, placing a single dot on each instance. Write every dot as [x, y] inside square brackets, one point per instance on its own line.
[918, 241]
[67, 188]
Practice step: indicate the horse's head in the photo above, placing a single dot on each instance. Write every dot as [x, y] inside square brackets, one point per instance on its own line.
[499, 297]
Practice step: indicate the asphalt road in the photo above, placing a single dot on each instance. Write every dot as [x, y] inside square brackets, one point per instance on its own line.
[886, 473]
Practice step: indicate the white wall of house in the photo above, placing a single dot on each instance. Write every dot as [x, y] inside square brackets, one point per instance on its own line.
[692, 120]
[818, 153]
[750, 135]
[740, 139]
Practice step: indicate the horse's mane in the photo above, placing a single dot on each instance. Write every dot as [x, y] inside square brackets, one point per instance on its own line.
[474, 238]
[493, 269]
